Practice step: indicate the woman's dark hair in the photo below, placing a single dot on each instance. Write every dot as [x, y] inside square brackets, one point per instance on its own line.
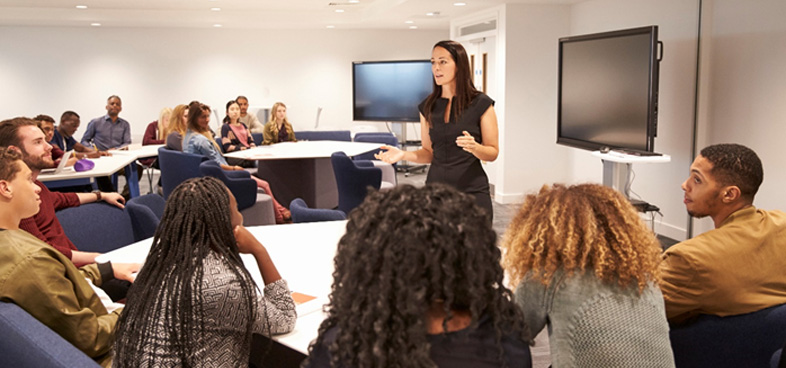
[230, 103]
[465, 89]
[405, 250]
[196, 222]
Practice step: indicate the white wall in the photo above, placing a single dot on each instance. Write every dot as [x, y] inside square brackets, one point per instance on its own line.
[50, 70]
[744, 63]
[677, 22]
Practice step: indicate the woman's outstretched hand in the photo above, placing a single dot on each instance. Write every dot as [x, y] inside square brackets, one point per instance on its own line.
[390, 154]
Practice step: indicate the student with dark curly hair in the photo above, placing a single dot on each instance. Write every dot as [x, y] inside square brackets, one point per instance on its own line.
[418, 283]
[194, 303]
[586, 265]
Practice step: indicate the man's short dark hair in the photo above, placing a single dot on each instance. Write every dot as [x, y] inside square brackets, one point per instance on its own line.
[113, 96]
[42, 117]
[8, 165]
[9, 131]
[735, 164]
[68, 115]
[241, 97]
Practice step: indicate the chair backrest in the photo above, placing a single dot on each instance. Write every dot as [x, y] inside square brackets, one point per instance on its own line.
[386, 138]
[746, 340]
[243, 188]
[152, 201]
[143, 220]
[301, 213]
[324, 135]
[353, 181]
[258, 138]
[177, 167]
[97, 227]
[26, 342]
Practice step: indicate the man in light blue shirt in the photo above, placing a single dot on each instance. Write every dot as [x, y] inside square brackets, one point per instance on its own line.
[109, 131]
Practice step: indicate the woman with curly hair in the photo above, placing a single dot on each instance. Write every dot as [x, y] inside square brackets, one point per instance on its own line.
[194, 304]
[418, 283]
[586, 265]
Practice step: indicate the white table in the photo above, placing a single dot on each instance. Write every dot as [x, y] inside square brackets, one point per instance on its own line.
[104, 166]
[302, 169]
[303, 254]
[139, 151]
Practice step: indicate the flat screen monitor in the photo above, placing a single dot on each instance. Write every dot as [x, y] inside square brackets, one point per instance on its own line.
[608, 90]
[390, 90]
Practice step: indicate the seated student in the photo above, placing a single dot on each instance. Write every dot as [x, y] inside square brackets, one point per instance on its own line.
[154, 134]
[63, 138]
[235, 135]
[418, 283]
[199, 140]
[586, 266]
[176, 129]
[250, 120]
[278, 128]
[24, 135]
[41, 280]
[194, 279]
[738, 267]
[47, 125]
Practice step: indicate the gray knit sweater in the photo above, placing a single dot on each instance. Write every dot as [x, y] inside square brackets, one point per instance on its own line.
[595, 324]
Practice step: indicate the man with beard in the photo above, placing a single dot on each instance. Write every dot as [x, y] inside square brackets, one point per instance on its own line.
[738, 267]
[25, 136]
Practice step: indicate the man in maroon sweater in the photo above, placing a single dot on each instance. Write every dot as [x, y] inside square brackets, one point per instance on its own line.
[37, 154]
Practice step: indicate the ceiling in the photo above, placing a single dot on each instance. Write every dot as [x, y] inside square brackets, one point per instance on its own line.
[258, 14]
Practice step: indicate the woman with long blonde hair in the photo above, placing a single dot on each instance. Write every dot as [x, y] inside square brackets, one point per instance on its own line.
[176, 128]
[278, 129]
[583, 262]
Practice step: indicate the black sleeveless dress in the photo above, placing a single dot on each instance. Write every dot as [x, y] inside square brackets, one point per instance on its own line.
[451, 164]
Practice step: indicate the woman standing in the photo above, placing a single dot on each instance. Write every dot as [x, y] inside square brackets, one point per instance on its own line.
[586, 266]
[199, 140]
[278, 129]
[458, 127]
[194, 304]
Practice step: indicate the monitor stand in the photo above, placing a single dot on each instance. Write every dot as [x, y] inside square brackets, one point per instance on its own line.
[617, 168]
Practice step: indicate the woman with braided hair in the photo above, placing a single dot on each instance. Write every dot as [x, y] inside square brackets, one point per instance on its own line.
[194, 303]
[418, 283]
[586, 265]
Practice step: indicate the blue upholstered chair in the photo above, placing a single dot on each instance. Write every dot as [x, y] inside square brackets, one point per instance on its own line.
[145, 212]
[301, 213]
[258, 138]
[97, 227]
[255, 205]
[324, 135]
[26, 342]
[375, 137]
[177, 167]
[746, 340]
[353, 179]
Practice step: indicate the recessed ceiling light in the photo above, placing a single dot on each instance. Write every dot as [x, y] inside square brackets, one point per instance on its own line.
[95, 24]
[217, 25]
[81, 6]
[215, 9]
[413, 27]
[409, 21]
[459, 4]
[430, 14]
[330, 26]
[353, 1]
[339, 10]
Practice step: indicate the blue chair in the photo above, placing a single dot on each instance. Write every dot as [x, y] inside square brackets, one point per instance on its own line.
[258, 138]
[381, 137]
[145, 212]
[26, 342]
[301, 213]
[353, 178]
[324, 135]
[152, 201]
[177, 167]
[746, 340]
[255, 205]
[97, 227]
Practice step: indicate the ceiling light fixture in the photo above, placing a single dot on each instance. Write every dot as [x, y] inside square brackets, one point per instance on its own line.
[81, 6]
[353, 1]
[95, 24]
[330, 26]
[413, 27]
[459, 4]
[339, 10]
[215, 9]
[217, 25]
[430, 14]
[409, 21]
